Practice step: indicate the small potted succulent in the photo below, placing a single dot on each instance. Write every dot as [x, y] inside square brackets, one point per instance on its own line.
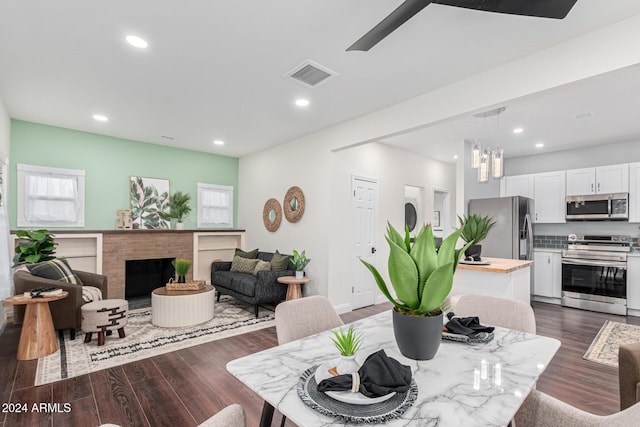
[347, 343]
[181, 266]
[474, 229]
[299, 261]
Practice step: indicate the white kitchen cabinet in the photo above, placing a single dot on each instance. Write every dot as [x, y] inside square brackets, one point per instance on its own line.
[547, 274]
[599, 180]
[634, 192]
[517, 185]
[549, 197]
[633, 285]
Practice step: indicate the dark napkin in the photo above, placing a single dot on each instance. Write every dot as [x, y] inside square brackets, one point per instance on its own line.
[468, 326]
[379, 376]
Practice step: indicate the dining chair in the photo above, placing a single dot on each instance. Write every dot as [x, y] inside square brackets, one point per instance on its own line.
[231, 416]
[494, 311]
[306, 316]
[541, 410]
[629, 374]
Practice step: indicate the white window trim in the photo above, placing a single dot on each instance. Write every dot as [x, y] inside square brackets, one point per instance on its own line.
[203, 186]
[23, 172]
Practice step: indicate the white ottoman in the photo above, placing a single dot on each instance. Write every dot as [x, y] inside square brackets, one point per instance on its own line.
[103, 317]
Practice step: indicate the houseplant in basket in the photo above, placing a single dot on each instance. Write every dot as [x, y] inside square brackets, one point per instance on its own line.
[34, 246]
[474, 229]
[179, 209]
[422, 277]
[182, 268]
[299, 261]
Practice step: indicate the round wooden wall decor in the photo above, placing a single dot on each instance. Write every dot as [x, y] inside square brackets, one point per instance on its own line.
[272, 215]
[293, 204]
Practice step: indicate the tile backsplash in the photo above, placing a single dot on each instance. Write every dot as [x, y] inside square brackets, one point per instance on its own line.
[550, 242]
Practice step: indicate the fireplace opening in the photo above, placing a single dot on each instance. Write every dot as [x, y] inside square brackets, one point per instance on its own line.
[142, 276]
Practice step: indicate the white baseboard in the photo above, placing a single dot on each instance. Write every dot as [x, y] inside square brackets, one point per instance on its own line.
[633, 312]
[549, 300]
[343, 308]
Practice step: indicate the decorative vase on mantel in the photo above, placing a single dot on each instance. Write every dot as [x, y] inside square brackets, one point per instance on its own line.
[179, 225]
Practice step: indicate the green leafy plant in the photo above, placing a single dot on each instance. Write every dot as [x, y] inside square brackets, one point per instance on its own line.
[181, 265]
[299, 260]
[348, 342]
[179, 205]
[475, 228]
[34, 246]
[421, 275]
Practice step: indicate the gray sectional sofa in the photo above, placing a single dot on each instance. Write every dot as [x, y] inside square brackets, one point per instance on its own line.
[261, 288]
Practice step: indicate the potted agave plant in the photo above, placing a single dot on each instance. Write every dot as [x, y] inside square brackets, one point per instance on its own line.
[474, 229]
[347, 343]
[422, 277]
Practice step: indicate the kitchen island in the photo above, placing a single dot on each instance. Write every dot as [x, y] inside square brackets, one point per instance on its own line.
[504, 278]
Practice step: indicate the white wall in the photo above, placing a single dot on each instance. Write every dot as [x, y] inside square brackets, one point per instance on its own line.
[313, 162]
[5, 254]
[325, 178]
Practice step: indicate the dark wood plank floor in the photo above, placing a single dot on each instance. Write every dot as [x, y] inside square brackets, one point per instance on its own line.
[186, 387]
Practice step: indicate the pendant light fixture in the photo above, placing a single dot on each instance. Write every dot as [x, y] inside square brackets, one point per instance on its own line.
[490, 162]
[476, 150]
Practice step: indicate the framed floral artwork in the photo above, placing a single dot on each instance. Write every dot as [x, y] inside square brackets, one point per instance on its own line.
[149, 199]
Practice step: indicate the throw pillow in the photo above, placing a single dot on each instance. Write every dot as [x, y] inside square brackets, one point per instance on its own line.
[279, 262]
[55, 269]
[250, 255]
[262, 266]
[243, 265]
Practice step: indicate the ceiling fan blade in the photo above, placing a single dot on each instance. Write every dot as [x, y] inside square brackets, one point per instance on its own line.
[402, 14]
[556, 9]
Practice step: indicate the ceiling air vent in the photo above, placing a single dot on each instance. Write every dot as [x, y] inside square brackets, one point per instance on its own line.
[310, 74]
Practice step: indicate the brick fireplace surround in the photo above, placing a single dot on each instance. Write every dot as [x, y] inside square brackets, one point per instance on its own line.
[119, 247]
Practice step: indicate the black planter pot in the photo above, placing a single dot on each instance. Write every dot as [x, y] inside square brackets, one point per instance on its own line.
[418, 338]
[181, 279]
[473, 253]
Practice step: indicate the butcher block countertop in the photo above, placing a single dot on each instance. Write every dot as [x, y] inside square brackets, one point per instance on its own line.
[497, 265]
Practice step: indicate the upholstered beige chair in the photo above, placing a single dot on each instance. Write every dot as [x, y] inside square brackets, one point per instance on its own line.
[302, 317]
[542, 410]
[231, 416]
[629, 374]
[495, 311]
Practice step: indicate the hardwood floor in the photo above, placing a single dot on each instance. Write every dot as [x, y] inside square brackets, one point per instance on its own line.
[186, 387]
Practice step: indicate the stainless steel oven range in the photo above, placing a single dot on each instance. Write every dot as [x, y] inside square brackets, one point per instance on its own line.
[594, 273]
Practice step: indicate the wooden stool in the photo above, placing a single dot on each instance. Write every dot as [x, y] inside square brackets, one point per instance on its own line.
[103, 317]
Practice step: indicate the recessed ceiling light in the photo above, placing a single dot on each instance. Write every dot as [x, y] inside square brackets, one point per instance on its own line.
[539, 145]
[518, 130]
[100, 118]
[218, 142]
[302, 102]
[137, 42]
[455, 157]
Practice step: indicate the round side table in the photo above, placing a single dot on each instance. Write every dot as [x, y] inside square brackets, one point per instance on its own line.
[294, 291]
[37, 338]
[171, 309]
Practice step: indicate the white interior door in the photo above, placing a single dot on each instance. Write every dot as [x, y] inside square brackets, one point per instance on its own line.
[364, 220]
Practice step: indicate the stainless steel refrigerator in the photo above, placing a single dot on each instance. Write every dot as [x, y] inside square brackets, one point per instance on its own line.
[512, 236]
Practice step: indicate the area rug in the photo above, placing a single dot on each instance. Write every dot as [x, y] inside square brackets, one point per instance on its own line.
[604, 348]
[145, 340]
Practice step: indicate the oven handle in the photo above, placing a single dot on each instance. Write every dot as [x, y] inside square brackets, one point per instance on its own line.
[616, 264]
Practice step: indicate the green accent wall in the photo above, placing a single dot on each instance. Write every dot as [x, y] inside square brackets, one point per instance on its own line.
[109, 162]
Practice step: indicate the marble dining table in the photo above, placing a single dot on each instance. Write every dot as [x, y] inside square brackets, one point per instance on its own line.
[463, 385]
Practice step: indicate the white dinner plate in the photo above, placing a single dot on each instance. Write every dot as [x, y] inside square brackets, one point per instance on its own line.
[346, 396]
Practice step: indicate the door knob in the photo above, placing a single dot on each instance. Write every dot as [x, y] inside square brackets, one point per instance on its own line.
[373, 250]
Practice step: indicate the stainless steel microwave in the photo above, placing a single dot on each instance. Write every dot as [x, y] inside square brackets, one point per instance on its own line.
[613, 206]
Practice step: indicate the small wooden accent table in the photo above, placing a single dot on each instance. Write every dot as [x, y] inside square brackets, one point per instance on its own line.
[37, 338]
[294, 291]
